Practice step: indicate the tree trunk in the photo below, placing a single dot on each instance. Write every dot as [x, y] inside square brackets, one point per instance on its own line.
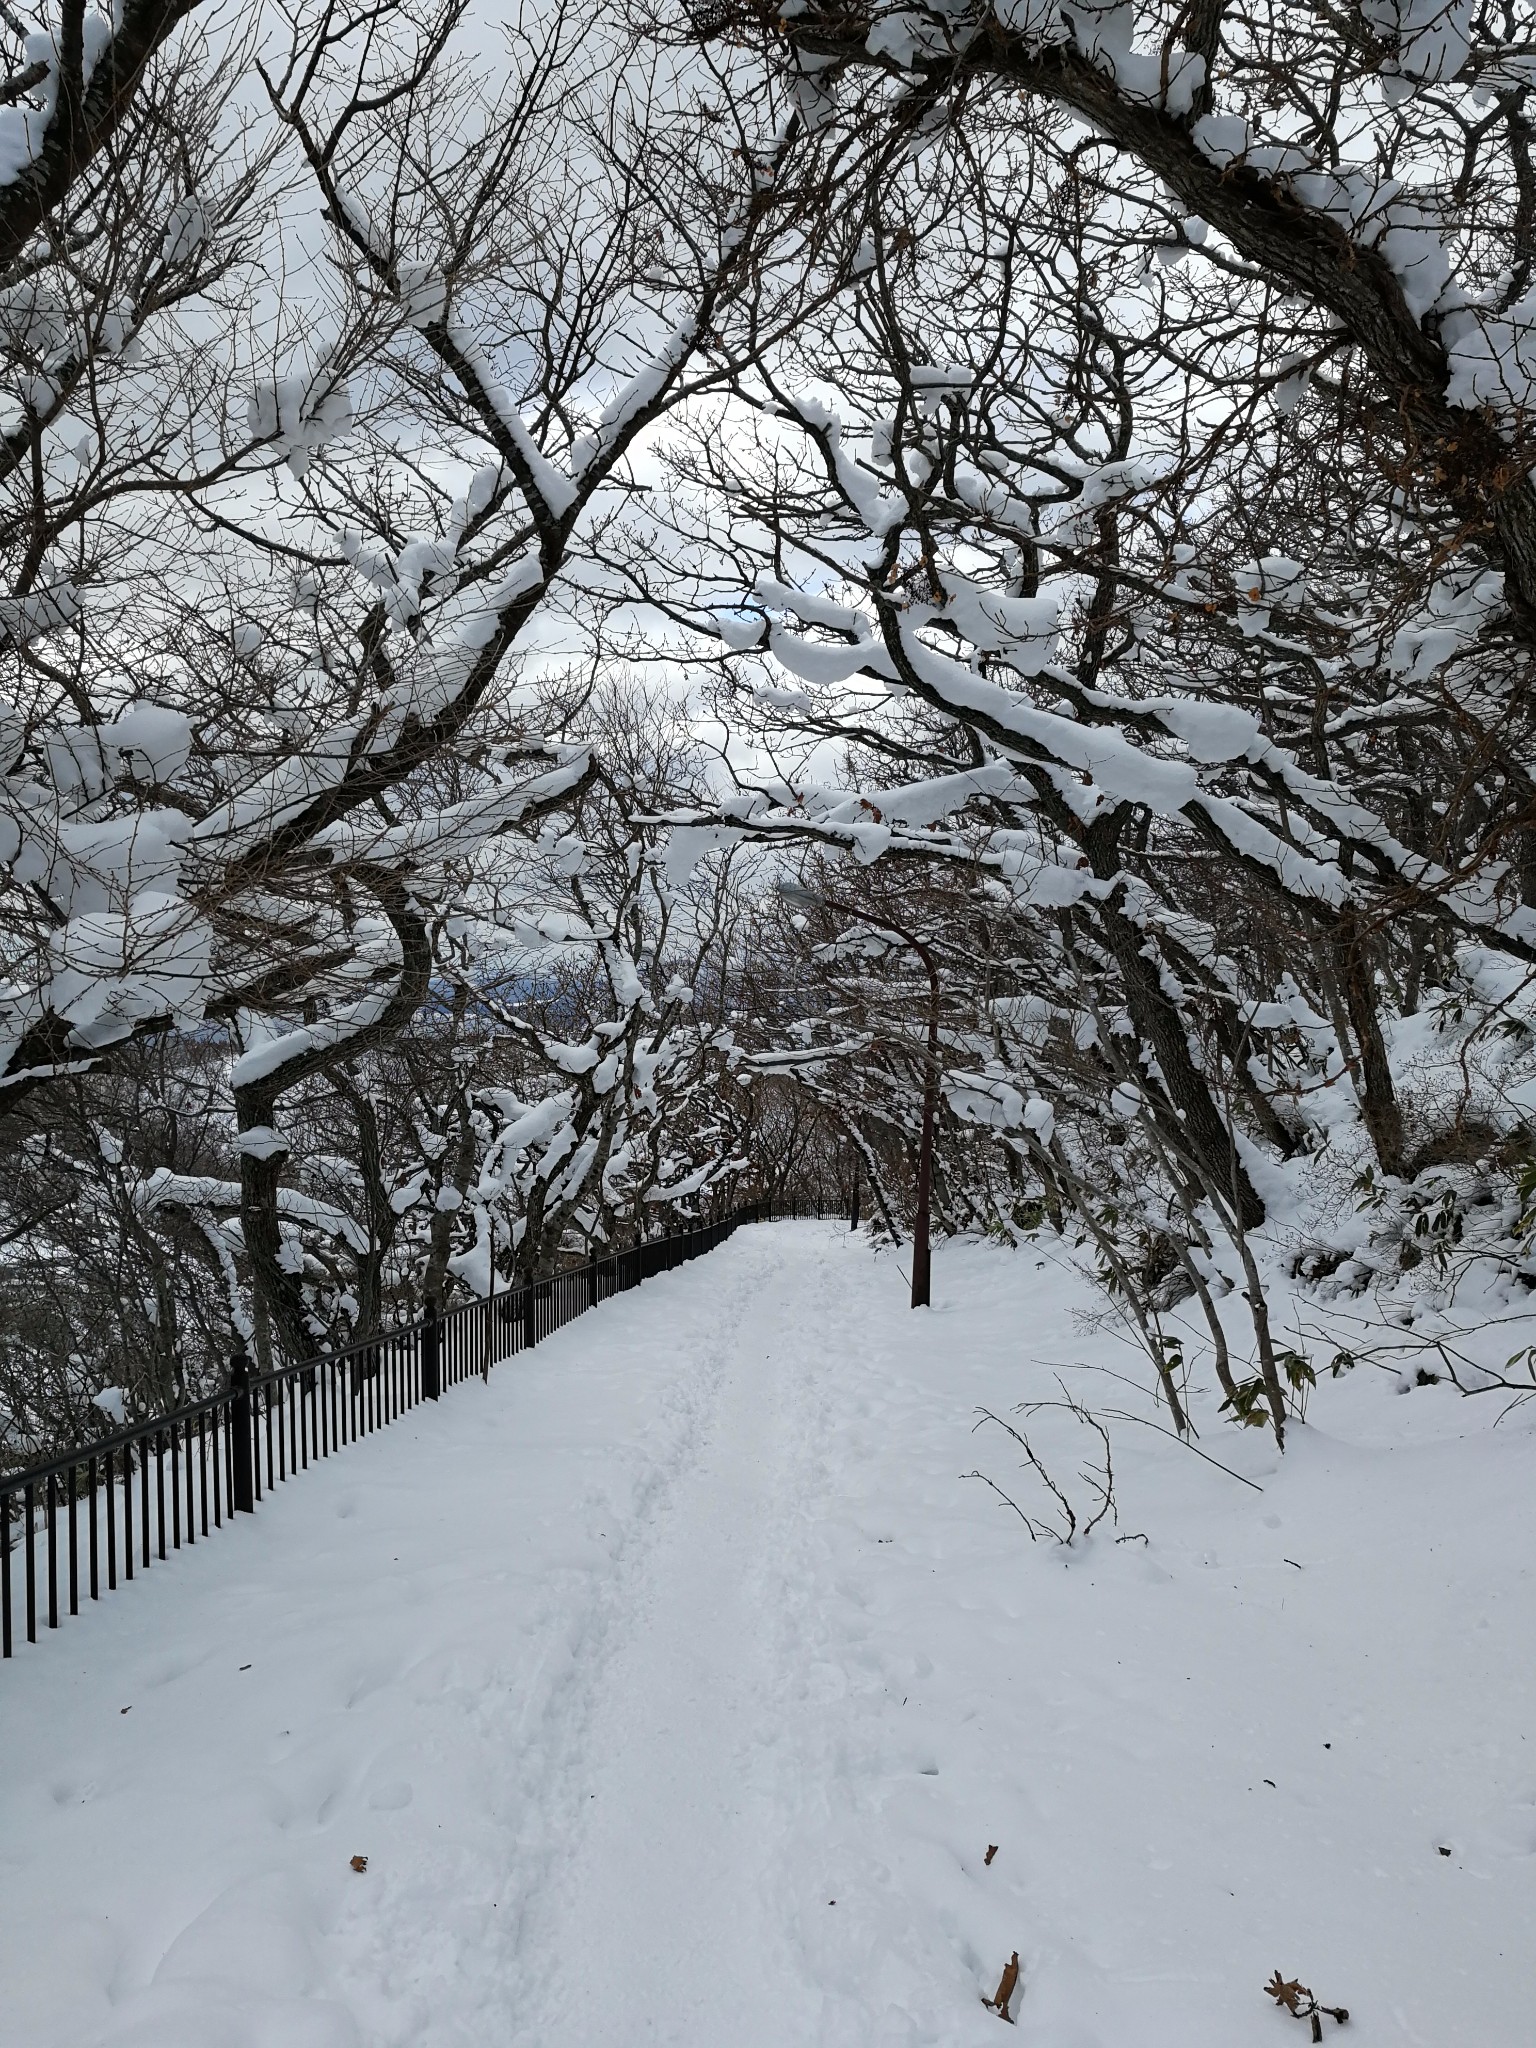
[1380, 1110]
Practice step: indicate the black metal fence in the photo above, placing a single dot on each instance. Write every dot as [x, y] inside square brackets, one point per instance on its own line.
[92, 1518]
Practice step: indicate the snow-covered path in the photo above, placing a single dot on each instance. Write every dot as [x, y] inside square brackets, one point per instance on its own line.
[664, 1892]
[675, 1684]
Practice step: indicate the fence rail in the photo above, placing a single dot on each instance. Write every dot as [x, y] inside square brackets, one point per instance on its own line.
[180, 1476]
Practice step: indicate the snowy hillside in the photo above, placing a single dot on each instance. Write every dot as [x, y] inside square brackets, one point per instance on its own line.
[675, 1687]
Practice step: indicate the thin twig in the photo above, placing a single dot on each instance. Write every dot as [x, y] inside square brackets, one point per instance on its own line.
[1034, 1534]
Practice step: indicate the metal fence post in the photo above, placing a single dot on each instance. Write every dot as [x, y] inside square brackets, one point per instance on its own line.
[431, 1353]
[5, 1575]
[241, 1444]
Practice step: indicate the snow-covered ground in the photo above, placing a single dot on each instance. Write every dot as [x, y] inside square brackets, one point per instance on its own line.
[675, 1685]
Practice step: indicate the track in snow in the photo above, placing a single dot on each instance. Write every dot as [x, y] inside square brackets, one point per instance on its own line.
[666, 1890]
